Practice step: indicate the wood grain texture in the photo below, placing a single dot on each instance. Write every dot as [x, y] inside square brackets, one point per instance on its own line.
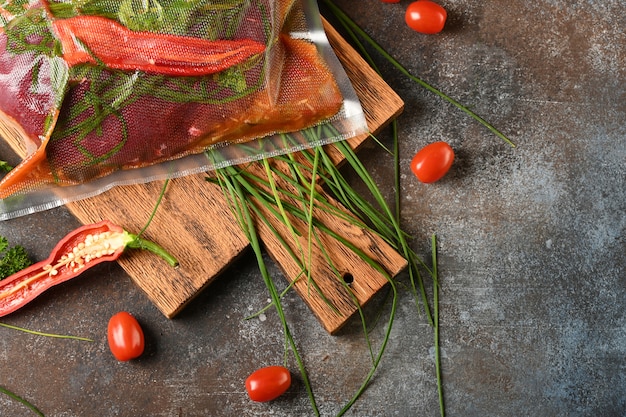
[197, 227]
[380, 103]
[199, 230]
[334, 276]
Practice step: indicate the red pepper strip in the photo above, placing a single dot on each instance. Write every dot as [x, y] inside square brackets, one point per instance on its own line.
[95, 39]
[81, 249]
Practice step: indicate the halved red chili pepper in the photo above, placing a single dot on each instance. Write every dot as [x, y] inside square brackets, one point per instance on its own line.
[80, 250]
[98, 40]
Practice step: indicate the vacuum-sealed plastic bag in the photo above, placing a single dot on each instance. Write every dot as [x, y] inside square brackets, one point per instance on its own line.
[104, 92]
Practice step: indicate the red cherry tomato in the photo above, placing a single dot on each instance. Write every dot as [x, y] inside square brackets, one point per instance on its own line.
[125, 337]
[425, 16]
[269, 383]
[432, 162]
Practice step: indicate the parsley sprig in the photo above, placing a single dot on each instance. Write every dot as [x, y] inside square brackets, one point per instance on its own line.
[5, 167]
[14, 258]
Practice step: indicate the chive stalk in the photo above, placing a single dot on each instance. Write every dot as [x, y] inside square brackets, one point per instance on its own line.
[435, 275]
[53, 335]
[355, 29]
[21, 400]
[245, 190]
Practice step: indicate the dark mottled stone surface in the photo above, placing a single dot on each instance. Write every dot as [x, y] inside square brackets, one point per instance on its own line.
[531, 251]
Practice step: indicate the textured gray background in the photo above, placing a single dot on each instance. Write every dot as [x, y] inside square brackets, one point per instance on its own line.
[531, 250]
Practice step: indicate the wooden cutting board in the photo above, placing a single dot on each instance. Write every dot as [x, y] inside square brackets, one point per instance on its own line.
[195, 224]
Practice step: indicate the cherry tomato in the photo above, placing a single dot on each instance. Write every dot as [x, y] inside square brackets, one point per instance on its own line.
[425, 16]
[269, 383]
[432, 162]
[125, 336]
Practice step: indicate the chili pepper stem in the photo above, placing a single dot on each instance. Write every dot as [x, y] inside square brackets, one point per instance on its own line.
[136, 242]
[79, 250]
[77, 260]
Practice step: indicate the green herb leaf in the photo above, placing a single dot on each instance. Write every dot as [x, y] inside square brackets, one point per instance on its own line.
[233, 78]
[5, 167]
[13, 259]
[141, 15]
